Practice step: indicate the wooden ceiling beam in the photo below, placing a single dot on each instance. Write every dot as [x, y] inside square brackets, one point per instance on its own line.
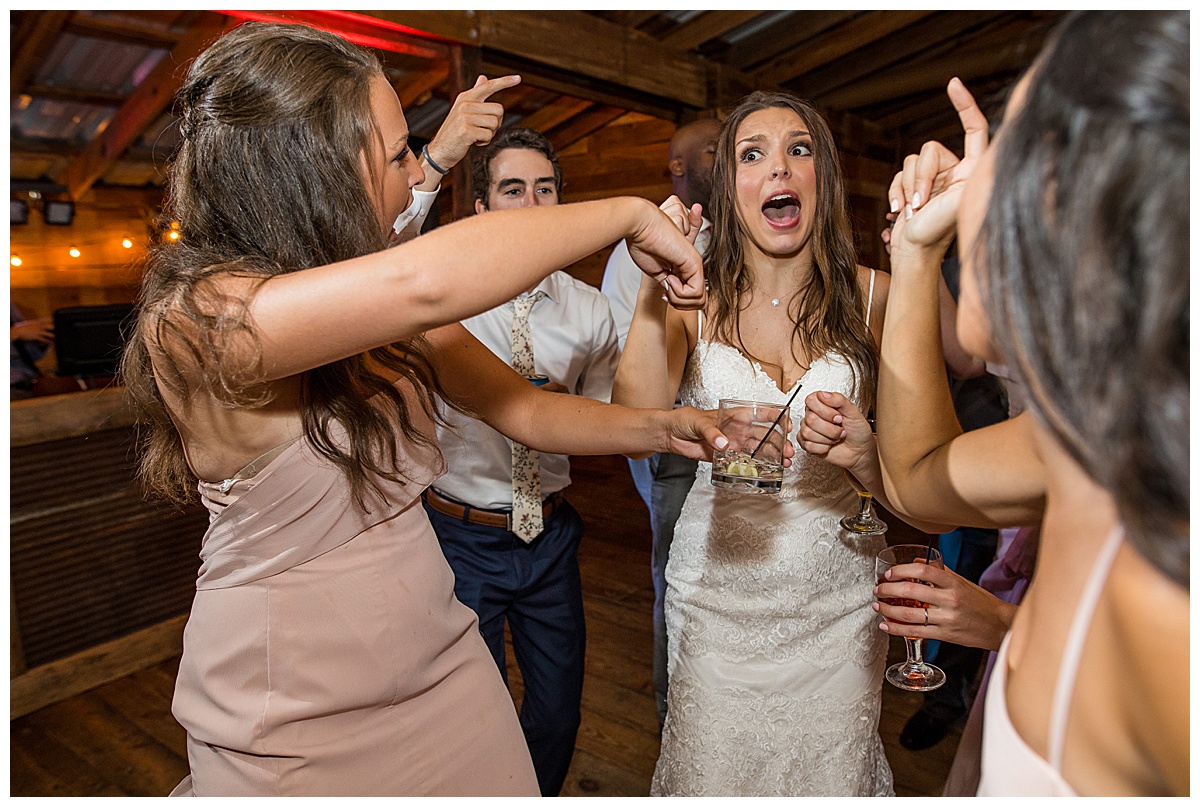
[37, 43]
[613, 54]
[415, 86]
[591, 121]
[75, 95]
[709, 25]
[632, 19]
[147, 102]
[858, 33]
[934, 74]
[764, 45]
[85, 24]
[921, 40]
[556, 113]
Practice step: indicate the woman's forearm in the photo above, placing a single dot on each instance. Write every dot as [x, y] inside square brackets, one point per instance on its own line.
[646, 376]
[914, 412]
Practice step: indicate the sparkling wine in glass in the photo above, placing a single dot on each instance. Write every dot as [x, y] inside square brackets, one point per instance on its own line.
[862, 521]
[914, 673]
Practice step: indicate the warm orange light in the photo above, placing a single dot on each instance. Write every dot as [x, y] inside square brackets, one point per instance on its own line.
[173, 235]
[75, 252]
[14, 260]
[128, 244]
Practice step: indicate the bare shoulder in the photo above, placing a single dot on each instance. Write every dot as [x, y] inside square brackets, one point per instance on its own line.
[1152, 614]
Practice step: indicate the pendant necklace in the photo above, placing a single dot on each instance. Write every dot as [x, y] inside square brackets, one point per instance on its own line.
[775, 302]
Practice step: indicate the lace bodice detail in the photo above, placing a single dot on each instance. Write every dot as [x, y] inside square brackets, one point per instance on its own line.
[716, 370]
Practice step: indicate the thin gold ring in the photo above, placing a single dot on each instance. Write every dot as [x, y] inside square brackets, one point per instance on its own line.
[926, 610]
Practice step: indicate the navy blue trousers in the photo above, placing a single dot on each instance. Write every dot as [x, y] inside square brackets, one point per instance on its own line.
[536, 588]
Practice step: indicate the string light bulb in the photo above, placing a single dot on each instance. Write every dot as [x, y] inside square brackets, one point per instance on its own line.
[75, 252]
[15, 260]
[127, 243]
[173, 235]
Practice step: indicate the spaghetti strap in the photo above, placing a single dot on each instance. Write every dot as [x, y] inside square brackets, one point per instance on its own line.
[1073, 650]
[870, 297]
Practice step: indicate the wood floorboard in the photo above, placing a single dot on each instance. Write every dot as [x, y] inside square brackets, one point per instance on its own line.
[120, 739]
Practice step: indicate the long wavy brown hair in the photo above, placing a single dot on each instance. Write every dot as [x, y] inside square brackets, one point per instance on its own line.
[268, 181]
[1086, 245]
[829, 311]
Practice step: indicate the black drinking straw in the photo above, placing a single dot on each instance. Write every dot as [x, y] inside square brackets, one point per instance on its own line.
[928, 549]
[778, 418]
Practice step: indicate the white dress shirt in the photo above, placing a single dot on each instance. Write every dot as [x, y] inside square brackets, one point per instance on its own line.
[622, 278]
[574, 344]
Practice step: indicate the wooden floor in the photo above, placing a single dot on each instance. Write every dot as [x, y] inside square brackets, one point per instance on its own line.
[120, 739]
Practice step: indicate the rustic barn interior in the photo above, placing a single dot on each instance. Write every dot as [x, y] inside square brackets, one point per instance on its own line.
[101, 580]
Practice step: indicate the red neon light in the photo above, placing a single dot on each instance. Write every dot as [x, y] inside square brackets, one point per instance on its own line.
[358, 30]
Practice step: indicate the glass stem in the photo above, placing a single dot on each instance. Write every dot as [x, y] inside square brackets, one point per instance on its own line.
[864, 508]
[913, 648]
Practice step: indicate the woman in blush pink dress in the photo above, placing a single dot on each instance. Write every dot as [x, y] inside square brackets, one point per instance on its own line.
[287, 365]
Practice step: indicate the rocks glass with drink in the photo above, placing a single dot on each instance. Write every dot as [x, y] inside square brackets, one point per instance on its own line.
[757, 434]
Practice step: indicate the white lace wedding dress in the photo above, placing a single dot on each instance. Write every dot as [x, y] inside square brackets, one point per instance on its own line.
[774, 658]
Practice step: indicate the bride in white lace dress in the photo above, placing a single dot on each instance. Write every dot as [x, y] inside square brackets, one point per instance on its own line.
[775, 663]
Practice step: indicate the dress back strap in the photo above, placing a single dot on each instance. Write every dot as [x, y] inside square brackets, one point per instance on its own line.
[1073, 649]
[870, 297]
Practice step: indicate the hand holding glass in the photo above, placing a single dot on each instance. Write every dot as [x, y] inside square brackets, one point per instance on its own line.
[914, 673]
[757, 434]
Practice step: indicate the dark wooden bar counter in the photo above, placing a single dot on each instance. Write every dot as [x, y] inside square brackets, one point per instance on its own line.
[101, 579]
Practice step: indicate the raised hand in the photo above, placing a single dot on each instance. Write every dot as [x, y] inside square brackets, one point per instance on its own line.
[835, 429]
[471, 121]
[932, 181]
[661, 250]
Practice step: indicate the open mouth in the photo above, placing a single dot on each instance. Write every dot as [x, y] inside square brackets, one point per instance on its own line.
[782, 209]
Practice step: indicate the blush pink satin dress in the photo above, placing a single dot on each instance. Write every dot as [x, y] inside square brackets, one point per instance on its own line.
[326, 653]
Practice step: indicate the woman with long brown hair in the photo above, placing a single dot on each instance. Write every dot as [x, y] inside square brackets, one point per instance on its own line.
[286, 364]
[774, 662]
[1073, 224]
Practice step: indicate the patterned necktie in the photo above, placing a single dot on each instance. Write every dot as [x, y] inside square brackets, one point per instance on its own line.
[526, 472]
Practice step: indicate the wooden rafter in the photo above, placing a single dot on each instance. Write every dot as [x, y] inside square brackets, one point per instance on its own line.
[931, 75]
[578, 42]
[857, 33]
[941, 30]
[752, 51]
[75, 95]
[558, 112]
[36, 45]
[709, 25]
[579, 127]
[144, 106]
[415, 86]
[632, 19]
[85, 24]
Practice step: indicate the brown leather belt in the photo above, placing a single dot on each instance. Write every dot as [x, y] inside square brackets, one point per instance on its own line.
[489, 518]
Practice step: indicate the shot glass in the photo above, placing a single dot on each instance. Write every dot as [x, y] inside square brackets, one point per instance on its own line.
[753, 460]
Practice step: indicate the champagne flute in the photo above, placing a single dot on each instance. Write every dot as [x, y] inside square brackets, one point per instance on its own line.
[862, 521]
[914, 673]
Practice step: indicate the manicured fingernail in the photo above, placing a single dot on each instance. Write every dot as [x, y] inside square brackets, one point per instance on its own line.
[874, 606]
[916, 199]
[721, 442]
[895, 205]
[664, 298]
[826, 395]
[888, 574]
[837, 419]
[883, 627]
[908, 211]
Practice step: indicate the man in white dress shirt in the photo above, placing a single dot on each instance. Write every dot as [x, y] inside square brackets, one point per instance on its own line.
[529, 577]
[663, 480]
